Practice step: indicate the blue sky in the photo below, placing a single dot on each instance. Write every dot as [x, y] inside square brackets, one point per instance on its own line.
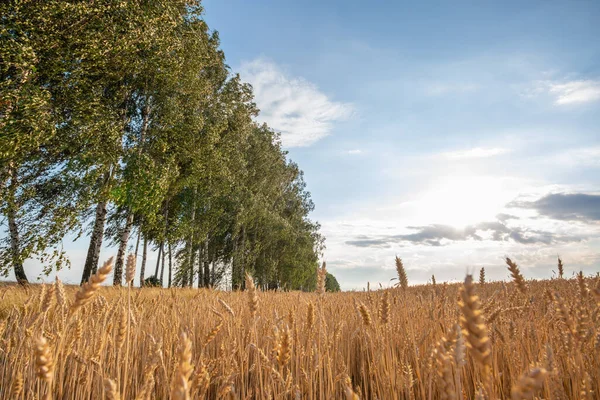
[448, 133]
[417, 124]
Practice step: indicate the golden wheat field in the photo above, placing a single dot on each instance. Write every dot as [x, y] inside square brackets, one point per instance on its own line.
[474, 340]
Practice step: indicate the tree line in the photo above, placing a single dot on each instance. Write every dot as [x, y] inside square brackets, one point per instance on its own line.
[121, 121]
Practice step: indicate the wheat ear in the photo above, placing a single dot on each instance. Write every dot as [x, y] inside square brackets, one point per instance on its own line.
[561, 268]
[528, 384]
[213, 333]
[44, 363]
[89, 289]
[111, 390]
[402, 277]
[180, 386]
[17, 386]
[515, 272]
[474, 328]
[130, 269]
[385, 308]
[284, 351]
[252, 295]
[227, 308]
[365, 314]
[348, 390]
[59, 291]
[321, 276]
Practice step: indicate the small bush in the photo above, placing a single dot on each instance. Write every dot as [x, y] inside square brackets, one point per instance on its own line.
[153, 281]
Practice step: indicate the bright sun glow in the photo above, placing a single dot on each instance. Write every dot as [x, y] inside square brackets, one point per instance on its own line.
[464, 200]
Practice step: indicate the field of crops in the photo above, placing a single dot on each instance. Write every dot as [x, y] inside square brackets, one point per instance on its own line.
[473, 340]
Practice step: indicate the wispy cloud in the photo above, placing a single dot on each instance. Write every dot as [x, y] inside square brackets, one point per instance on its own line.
[476, 152]
[354, 151]
[563, 206]
[292, 105]
[440, 89]
[583, 157]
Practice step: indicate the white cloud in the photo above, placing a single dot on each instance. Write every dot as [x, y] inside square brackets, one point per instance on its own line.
[291, 105]
[476, 152]
[354, 151]
[576, 91]
[567, 92]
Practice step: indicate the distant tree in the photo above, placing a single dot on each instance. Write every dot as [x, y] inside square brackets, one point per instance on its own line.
[331, 284]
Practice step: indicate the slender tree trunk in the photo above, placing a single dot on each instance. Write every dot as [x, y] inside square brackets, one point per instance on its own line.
[170, 265]
[15, 240]
[234, 265]
[192, 263]
[162, 242]
[191, 240]
[212, 252]
[143, 267]
[160, 248]
[200, 270]
[162, 268]
[137, 243]
[243, 260]
[118, 274]
[206, 263]
[93, 254]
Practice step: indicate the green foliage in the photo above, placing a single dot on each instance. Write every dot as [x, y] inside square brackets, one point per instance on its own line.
[132, 104]
[331, 284]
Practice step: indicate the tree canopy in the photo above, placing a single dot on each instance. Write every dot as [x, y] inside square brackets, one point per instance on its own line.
[121, 120]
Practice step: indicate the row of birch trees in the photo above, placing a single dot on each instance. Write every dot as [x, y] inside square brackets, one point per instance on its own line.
[121, 124]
